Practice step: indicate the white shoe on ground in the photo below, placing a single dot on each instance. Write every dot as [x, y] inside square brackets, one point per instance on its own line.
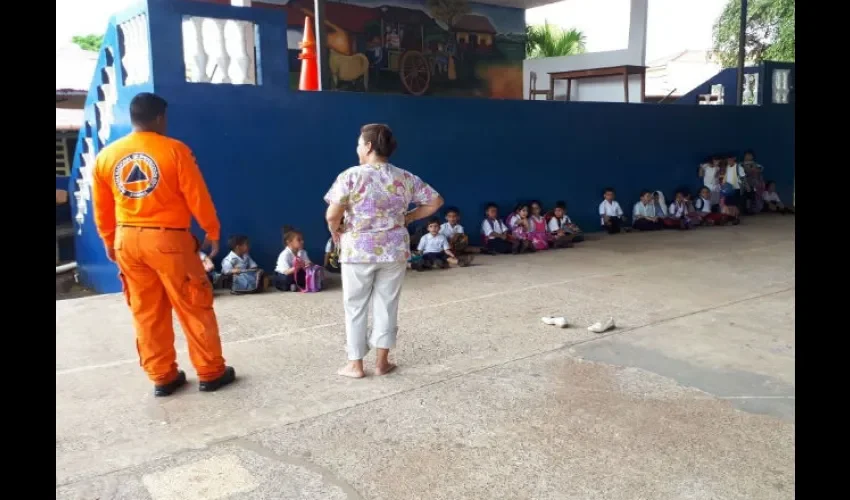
[558, 321]
[602, 327]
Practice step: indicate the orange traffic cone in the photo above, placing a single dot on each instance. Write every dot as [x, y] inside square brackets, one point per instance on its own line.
[309, 67]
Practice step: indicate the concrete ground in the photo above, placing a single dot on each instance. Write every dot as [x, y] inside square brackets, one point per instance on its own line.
[691, 397]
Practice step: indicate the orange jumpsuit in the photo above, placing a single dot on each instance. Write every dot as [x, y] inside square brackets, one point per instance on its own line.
[146, 188]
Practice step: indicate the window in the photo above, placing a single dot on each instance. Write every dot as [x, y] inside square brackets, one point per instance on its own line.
[63, 158]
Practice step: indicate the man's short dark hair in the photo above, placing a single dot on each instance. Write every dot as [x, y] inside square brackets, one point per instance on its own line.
[381, 137]
[236, 240]
[608, 190]
[492, 205]
[561, 204]
[452, 210]
[434, 220]
[146, 107]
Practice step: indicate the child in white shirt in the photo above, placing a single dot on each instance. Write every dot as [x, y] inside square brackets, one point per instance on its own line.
[458, 240]
[561, 227]
[289, 271]
[644, 217]
[610, 213]
[709, 173]
[772, 203]
[677, 212]
[434, 247]
[495, 234]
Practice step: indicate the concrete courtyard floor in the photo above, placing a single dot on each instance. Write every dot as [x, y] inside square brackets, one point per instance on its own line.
[691, 397]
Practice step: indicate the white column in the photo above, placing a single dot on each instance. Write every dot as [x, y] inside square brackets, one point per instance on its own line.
[249, 42]
[637, 30]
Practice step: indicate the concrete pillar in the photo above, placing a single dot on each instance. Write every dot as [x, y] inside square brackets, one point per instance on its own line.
[637, 30]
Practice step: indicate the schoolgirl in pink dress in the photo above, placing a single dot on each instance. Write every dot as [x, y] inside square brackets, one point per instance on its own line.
[537, 233]
[520, 225]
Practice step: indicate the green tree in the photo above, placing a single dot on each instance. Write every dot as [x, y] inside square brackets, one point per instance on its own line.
[769, 36]
[448, 11]
[88, 42]
[552, 41]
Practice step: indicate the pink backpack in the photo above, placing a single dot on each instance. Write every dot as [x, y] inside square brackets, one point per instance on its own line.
[314, 277]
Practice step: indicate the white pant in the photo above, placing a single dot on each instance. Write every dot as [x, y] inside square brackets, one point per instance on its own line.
[381, 283]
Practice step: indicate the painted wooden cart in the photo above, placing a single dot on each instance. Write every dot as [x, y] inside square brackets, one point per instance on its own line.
[404, 48]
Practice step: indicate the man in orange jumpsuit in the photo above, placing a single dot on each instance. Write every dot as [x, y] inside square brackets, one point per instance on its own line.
[146, 188]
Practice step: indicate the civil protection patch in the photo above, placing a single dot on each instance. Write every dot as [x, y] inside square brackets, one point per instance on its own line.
[136, 175]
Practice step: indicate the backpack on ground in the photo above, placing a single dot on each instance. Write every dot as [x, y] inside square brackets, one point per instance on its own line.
[314, 277]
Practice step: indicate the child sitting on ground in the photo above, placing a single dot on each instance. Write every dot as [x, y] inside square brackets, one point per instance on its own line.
[209, 266]
[677, 213]
[730, 212]
[494, 233]
[610, 212]
[434, 248]
[564, 232]
[693, 215]
[643, 214]
[458, 241]
[287, 275]
[519, 225]
[538, 234]
[332, 255]
[710, 214]
[246, 276]
[772, 203]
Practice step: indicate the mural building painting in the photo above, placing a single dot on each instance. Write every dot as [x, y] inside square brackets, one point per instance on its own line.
[417, 47]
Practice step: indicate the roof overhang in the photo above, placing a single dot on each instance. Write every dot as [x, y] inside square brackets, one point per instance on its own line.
[517, 4]
[69, 120]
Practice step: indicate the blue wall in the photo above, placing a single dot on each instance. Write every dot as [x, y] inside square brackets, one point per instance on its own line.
[269, 168]
[729, 79]
[269, 154]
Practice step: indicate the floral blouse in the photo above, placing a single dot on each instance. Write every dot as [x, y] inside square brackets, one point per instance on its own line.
[376, 198]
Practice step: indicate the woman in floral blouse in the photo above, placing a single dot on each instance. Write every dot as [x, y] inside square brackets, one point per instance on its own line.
[374, 244]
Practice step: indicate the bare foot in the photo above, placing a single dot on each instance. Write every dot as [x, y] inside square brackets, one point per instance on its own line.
[384, 369]
[351, 371]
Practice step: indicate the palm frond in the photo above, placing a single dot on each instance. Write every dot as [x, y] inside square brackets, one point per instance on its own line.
[547, 40]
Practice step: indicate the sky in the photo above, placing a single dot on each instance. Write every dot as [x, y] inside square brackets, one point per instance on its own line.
[673, 25]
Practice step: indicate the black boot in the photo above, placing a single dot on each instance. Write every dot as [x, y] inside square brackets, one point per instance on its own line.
[213, 385]
[160, 391]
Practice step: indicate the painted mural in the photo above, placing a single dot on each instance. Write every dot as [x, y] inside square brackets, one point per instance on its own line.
[417, 47]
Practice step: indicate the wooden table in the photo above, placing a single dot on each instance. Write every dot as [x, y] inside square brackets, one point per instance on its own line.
[624, 71]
